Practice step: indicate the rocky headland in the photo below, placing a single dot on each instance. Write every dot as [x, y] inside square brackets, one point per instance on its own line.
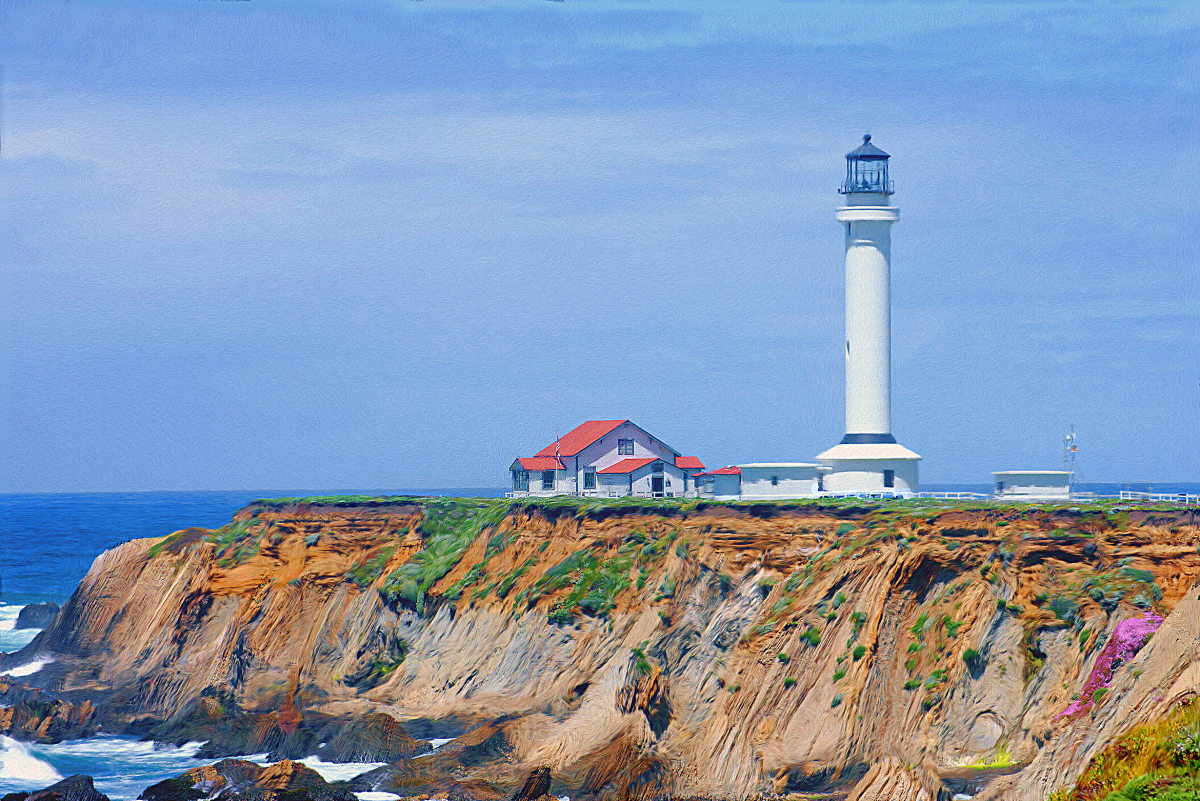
[635, 649]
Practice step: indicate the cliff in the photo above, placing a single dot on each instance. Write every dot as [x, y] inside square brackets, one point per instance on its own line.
[638, 649]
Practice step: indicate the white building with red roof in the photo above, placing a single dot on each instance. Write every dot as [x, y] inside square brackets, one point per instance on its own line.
[605, 459]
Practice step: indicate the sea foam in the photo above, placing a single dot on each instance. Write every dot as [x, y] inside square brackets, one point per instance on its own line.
[18, 764]
[11, 638]
[29, 668]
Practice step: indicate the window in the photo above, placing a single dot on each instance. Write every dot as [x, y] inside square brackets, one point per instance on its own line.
[589, 478]
[774, 481]
[520, 479]
[547, 479]
[889, 478]
[820, 483]
[658, 467]
[625, 447]
[999, 487]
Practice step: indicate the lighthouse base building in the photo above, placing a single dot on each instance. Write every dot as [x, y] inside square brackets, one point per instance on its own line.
[870, 467]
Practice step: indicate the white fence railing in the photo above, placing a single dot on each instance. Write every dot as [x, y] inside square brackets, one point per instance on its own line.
[1182, 498]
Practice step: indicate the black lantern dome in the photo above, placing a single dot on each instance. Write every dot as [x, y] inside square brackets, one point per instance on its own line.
[867, 170]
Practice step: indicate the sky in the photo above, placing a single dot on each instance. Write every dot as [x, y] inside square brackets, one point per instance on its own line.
[269, 244]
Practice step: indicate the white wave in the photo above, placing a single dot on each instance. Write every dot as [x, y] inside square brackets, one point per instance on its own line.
[8, 616]
[338, 771]
[18, 764]
[438, 742]
[376, 795]
[113, 747]
[12, 638]
[29, 668]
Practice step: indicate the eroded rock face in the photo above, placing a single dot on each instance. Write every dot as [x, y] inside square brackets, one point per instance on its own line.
[239, 780]
[717, 651]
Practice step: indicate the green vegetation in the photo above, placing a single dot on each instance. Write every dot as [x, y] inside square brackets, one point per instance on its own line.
[913, 683]
[839, 674]
[788, 682]
[971, 657]
[812, 636]
[859, 652]
[366, 572]
[448, 528]
[1000, 759]
[836, 702]
[641, 663]
[236, 542]
[782, 657]
[1157, 761]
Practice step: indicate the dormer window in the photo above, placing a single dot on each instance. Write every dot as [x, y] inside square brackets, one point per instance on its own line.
[625, 447]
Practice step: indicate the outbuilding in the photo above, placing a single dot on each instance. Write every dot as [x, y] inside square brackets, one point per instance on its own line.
[768, 480]
[722, 484]
[1033, 485]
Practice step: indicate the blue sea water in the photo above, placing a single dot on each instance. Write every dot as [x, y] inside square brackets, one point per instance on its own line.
[47, 543]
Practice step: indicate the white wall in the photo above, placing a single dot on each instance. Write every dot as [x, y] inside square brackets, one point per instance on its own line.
[721, 488]
[867, 348]
[672, 480]
[866, 475]
[1034, 485]
[792, 482]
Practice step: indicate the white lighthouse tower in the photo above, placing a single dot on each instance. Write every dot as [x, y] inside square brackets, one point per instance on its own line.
[868, 459]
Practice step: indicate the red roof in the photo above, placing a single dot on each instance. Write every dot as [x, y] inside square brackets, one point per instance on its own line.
[627, 465]
[688, 463]
[578, 438]
[541, 463]
[731, 470]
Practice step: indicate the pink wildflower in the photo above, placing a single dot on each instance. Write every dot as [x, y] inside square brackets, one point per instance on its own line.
[1127, 639]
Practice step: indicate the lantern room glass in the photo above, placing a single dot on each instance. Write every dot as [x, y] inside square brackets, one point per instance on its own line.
[866, 175]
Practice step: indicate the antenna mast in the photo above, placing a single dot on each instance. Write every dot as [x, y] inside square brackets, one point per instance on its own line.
[1069, 450]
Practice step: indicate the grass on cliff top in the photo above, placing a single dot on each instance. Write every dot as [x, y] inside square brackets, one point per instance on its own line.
[1115, 510]
[1157, 761]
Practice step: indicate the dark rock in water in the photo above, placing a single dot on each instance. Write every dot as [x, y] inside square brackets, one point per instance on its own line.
[36, 616]
[536, 786]
[239, 780]
[72, 788]
[31, 713]
[225, 728]
[376, 737]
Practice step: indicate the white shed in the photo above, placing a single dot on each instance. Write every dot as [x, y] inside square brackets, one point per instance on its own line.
[768, 480]
[1033, 485]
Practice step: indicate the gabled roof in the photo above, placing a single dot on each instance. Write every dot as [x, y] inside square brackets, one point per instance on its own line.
[541, 463]
[627, 465]
[731, 470]
[688, 463]
[578, 438]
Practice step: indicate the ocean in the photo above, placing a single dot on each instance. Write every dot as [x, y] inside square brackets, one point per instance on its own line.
[47, 543]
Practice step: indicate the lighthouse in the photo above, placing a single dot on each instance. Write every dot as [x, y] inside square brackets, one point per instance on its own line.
[868, 459]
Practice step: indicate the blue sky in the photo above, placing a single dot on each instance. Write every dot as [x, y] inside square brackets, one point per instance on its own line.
[278, 244]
